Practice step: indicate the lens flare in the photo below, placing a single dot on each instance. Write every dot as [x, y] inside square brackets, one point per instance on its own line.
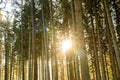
[66, 45]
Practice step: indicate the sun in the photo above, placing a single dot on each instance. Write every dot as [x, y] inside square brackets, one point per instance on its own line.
[66, 45]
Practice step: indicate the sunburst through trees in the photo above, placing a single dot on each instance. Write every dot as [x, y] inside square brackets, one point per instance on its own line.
[60, 40]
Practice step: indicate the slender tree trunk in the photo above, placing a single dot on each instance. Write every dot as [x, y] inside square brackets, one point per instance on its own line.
[112, 31]
[17, 68]
[70, 65]
[106, 67]
[97, 69]
[100, 47]
[117, 12]
[81, 41]
[22, 52]
[11, 63]
[42, 60]
[62, 69]
[76, 65]
[68, 72]
[45, 45]
[29, 56]
[47, 56]
[110, 46]
[6, 56]
[33, 40]
[51, 24]
[54, 56]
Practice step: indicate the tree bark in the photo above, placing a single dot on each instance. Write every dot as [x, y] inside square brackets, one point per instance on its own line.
[110, 46]
[33, 40]
[112, 31]
[100, 46]
[6, 55]
[80, 41]
[97, 69]
[29, 56]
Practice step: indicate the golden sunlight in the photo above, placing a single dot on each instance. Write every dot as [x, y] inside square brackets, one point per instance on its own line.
[66, 45]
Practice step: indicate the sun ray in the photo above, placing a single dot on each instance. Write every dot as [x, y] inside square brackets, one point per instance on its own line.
[66, 45]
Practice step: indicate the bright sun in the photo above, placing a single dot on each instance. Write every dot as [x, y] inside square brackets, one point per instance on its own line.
[66, 45]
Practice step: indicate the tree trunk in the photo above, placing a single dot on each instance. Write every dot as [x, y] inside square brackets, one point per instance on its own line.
[110, 46]
[81, 41]
[53, 49]
[100, 46]
[6, 56]
[97, 69]
[33, 40]
[112, 31]
[29, 56]
[76, 65]
[22, 52]
[11, 63]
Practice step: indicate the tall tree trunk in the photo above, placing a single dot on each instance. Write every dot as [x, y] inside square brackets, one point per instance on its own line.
[54, 55]
[112, 31]
[45, 36]
[81, 41]
[97, 69]
[76, 65]
[117, 11]
[62, 69]
[33, 40]
[6, 56]
[22, 52]
[100, 46]
[11, 62]
[51, 24]
[70, 65]
[29, 56]
[110, 46]
[42, 60]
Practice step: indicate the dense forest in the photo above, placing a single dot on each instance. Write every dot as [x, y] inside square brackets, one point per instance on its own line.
[60, 40]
